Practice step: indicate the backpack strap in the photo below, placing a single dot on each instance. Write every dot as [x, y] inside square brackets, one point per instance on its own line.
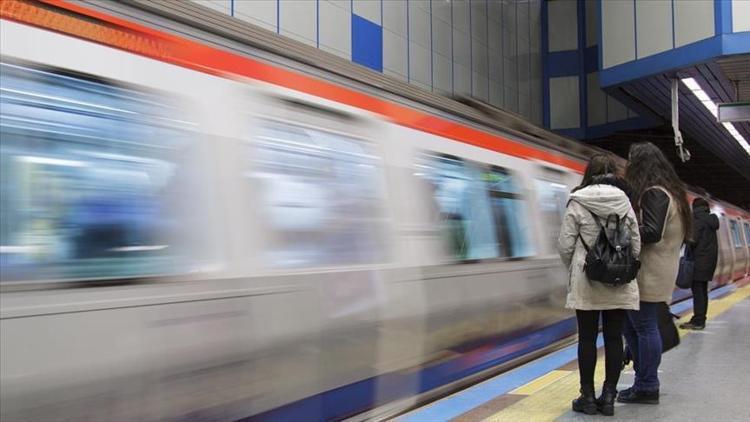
[596, 221]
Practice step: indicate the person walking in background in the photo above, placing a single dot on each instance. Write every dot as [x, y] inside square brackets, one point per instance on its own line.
[599, 195]
[705, 248]
[665, 223]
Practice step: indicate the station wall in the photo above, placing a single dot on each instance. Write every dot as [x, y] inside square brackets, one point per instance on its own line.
[487, 49]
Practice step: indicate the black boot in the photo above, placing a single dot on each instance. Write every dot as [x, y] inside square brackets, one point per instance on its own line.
[606, 402]
[586, 402]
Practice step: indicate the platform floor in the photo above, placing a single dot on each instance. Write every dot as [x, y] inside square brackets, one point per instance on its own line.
[700, 379]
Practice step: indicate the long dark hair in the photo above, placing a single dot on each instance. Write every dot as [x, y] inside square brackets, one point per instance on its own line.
[602, 169]
[648, 167]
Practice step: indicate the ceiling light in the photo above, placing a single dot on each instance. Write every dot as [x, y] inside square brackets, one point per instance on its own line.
[701, 95]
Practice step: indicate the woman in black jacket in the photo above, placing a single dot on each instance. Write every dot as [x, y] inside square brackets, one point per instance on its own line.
[705, 253]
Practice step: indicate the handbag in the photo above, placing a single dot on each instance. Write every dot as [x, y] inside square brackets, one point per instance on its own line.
[687, 267]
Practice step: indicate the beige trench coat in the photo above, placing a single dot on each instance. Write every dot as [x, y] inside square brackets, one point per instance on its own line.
[584, 294]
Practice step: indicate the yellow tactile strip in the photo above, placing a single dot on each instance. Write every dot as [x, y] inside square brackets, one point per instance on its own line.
[541, 382]
[550, 395]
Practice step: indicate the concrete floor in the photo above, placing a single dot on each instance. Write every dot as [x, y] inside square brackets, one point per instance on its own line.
[706, 378]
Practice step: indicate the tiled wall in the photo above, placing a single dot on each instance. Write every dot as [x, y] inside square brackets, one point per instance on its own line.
[576, 101]
[488, 49]
[634, 29]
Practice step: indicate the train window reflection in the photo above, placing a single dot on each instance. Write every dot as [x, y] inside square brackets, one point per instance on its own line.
[509, 213]
[481, 213]
[85, 168]
[552, 198]
[321, 194]
[736, 235]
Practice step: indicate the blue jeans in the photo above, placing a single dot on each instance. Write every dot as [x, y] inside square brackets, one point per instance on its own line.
[642, 334]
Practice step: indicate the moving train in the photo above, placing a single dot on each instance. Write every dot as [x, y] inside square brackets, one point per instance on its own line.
[190, 230]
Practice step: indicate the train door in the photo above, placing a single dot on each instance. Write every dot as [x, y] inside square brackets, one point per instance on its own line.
[746, 226]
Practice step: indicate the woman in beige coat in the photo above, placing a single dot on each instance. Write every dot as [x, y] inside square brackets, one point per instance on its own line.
[665, 224]
[600, 193]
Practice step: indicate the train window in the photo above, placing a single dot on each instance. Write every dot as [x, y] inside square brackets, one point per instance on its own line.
[88, 170]
[552, 198]
[736, 235]
[747, 234]
[321, 194]
[481, 214]
[509, 214]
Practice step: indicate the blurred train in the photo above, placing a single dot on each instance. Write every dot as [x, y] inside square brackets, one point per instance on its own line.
[192, 233]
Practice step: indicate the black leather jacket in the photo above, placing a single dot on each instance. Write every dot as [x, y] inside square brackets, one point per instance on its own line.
[654, 207]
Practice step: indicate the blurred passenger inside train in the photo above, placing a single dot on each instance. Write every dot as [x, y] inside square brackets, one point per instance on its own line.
[600, 194]
[705, 252]
[665, 219]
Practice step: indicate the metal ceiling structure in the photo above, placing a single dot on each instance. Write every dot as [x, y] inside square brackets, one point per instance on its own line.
[737, 71]
[719, 163]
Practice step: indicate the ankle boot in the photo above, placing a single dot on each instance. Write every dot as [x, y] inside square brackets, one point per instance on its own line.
[586, 402]
[606, 402]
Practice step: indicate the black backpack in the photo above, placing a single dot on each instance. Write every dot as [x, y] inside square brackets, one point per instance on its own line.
[610, 259]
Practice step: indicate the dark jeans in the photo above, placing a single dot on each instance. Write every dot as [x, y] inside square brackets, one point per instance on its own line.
[588, 329]
[642, 334]
[700, 302]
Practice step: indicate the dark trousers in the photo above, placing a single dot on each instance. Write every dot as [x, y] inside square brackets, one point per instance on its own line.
[700, 302]
[588, 330]
[644, 341]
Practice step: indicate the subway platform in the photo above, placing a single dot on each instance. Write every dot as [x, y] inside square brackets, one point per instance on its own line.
[702, 379]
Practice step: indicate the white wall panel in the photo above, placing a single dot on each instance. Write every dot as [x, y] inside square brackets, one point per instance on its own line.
[496, 94]
[524, 72]
[260, 12]
[479, 20]
[522, 20]
[394, 53]
[524, 105]
[394, 16]
[496, 67]
[740, 15]
[335, 29]
[442, 73]
[597, 101]
[420, 64]
[368, 9]
[564, 102]
[480, 87]
[495, 12]
[298, 20]
[510, 72]
[654, 26]
[461, 48]
[479, 58]
[461, 79]
[440, 10]
[461, 15]
[510, 99]
[693, 21]
[441, 37]
[419, 25]
[618, 44]
[563, 25]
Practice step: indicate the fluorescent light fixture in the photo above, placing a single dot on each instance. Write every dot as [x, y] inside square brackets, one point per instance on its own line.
[711, 106]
